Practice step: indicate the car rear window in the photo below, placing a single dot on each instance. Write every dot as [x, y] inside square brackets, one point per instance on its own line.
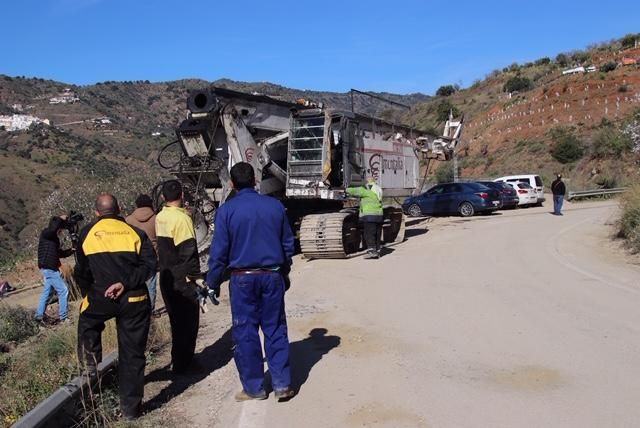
[435, 190]
[475, 187]
[538, 181]
[452, 188]
[491, 184]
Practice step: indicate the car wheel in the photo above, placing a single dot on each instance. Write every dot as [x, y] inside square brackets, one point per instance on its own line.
[414, 210]
[466, 209]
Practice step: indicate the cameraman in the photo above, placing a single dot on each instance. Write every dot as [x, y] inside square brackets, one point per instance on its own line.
[49, 254]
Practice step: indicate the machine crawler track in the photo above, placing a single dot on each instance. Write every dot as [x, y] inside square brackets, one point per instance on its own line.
[336, 235]
[329, 236]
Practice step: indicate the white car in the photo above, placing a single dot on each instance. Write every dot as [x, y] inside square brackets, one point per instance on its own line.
[526, 194]
[532, 179]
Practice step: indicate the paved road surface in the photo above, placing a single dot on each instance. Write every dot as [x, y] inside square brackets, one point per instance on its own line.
[518, 319]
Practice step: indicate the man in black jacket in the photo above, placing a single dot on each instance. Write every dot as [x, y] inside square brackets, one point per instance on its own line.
[49, 254]
[558, 189]
[114, 262]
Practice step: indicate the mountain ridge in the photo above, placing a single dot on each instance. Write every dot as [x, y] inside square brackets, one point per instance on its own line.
[110, 137]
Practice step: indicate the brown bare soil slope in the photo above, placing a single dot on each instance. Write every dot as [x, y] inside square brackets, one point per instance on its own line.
[510, 133]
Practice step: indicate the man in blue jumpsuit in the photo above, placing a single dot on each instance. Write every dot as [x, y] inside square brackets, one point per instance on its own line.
[254, 241]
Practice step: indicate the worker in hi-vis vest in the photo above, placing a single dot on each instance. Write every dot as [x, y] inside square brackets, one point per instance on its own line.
[370, 215]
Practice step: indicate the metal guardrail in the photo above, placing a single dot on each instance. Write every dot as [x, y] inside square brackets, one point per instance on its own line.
[47, 408]
[596, 192]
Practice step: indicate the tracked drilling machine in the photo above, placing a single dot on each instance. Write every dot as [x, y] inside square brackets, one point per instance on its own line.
[305, 155]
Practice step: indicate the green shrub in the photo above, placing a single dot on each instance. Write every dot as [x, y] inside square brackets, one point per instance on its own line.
[610, 142]
[580, 57]
[629, 40]
[531, 146]
[520, 144]
[608, 66]
[37, 370]
[562, 60]
[535, 146]
[5, 362]
[444, 108]
[444, 173]
[445, 91]
[566, 148]
[607, 182]
[518, 83]
[16, 324]
[604, 122]
[629, 222]
[543, 61]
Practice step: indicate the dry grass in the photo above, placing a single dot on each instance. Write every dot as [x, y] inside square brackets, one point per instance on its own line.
[16, 324]
[36, 368]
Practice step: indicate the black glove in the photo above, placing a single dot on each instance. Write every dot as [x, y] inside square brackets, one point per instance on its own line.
[214, 294]
[205, 293]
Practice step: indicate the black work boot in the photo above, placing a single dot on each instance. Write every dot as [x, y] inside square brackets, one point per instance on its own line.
[284, 394]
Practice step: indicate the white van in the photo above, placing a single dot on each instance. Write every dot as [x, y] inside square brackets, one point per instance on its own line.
[534, 181]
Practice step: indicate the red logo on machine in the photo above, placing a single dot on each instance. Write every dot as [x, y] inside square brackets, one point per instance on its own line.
[374, 165]
[248, 154]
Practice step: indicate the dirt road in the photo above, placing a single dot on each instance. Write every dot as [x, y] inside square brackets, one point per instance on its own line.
[517, 319]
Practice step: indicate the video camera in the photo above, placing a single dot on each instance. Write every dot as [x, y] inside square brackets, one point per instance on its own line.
[72, 225]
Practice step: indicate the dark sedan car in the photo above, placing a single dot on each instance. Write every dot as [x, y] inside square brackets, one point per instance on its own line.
[508, 194]
[465, 199]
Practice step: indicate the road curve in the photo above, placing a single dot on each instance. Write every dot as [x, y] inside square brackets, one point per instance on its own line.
[516, 319]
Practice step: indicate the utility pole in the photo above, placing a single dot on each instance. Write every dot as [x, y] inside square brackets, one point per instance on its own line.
[455, 167]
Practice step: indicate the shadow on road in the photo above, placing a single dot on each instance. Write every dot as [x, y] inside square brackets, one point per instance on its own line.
[210, 359]
[306, 353]
[410, 233]
[384, 251]
[417, 220]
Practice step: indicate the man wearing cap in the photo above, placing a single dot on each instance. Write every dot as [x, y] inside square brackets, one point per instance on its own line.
[558, 189]
[143, 217]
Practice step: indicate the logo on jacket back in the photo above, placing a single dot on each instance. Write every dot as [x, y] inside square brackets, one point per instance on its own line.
[99, 234]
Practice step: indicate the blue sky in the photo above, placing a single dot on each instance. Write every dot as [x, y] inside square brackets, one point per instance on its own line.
[396, 46]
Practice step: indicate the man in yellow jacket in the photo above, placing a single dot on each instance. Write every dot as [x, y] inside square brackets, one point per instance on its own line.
[371, 215]
[179, 266]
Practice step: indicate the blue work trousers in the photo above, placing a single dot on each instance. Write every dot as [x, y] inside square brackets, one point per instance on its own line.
[257, 301]
[53, 281]
[557, 203]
